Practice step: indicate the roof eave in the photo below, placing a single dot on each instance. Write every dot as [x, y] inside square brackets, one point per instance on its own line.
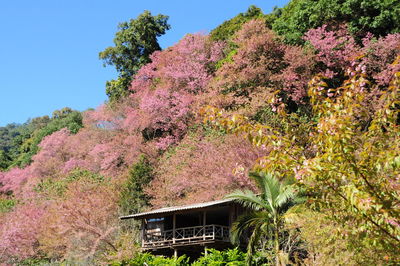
[163, 211]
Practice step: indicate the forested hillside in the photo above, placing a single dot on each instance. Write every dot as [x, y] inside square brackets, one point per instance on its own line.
[309, 94]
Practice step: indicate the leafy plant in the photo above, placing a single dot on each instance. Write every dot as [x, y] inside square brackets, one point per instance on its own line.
[267, 211]
[229, 257]
[152, 260]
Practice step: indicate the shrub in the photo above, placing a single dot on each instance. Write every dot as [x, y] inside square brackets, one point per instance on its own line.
[7, 205]
[133, 199]
[233, 257]
[152, 260]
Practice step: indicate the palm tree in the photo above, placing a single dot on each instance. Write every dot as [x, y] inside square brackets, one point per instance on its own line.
[266, 211]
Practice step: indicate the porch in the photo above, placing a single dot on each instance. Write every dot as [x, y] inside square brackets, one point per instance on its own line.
[195, 235]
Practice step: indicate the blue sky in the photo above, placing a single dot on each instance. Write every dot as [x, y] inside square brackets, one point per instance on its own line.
[49, 48]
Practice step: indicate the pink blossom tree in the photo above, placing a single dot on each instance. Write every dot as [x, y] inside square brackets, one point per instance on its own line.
[379, 56]
[12, 180]
[19, 232]
[258, 58]
[169, 116]
[83, 221]
[185, 175]
[294, 78]
[336, 49]
[51, 155]
[186, 66]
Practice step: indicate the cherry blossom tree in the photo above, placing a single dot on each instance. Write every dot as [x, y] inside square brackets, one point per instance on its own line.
[19, 232]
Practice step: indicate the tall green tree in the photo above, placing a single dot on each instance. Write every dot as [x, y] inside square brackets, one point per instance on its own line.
[133, 199]
[135, 41]
[266, 217]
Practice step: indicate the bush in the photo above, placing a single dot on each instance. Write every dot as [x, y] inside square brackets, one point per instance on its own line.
[228, 257]
[152, 260]
[7, 205]
[133, 198]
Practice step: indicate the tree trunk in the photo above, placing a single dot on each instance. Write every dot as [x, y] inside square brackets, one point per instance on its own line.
[276, 242]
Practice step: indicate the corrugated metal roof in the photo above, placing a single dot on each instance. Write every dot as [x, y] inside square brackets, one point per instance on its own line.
[178, 208]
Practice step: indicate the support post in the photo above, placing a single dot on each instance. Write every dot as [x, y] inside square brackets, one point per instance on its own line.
[205, 251]
[143, 232]
[204, 224]
[231, 214]
[173, 228]
[175, 253]
[213, 234]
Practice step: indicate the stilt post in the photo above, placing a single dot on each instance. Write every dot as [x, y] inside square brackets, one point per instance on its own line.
[204, 224]
[173, 228]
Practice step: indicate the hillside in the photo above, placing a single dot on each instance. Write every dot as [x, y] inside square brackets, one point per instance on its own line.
[312, 101]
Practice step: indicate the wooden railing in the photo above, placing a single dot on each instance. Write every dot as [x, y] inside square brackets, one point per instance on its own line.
[186, 235]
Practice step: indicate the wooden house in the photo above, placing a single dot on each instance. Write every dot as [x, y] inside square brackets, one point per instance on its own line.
[188, 229]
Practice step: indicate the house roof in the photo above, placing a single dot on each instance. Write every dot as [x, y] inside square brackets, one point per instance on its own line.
[177, 208]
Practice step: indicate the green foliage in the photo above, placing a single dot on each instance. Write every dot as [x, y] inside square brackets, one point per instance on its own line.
[135, 41]
[7, 205]
[265, 115]
[227, 29]
[356, 167]
[36, 262]
[133, 198]
[152, 260]
[64, 118]
[267, 212]
[55, 188]
[379, 17]
[5, 160]
[229, 57]
[230, 257]
[11, 138]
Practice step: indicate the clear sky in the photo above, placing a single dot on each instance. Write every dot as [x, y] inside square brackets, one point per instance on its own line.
[49, 48]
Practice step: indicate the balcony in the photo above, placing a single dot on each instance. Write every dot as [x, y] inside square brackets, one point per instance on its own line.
[185, 236]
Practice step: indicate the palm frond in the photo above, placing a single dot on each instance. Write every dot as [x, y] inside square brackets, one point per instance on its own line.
[254, 239]
[258, 178]
[286, 195]
[247, 221]
[247, 199]
[274, 186]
